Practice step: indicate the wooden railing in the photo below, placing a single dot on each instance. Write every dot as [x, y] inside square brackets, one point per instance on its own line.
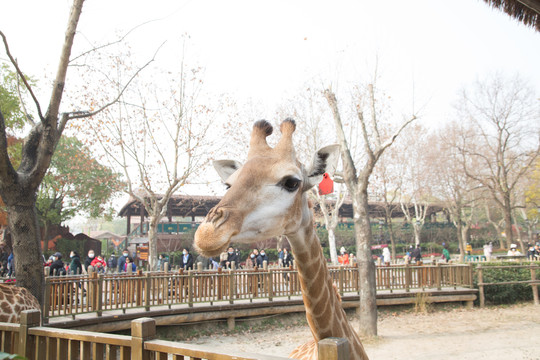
[73, 295]
[33, 341]
[534, 282]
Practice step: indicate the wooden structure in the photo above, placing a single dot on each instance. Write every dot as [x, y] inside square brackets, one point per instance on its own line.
[102, 300]
[534, 282]
[33, 341]
[197, 207]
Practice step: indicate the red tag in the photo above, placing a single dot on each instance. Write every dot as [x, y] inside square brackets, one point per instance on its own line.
[326, 186]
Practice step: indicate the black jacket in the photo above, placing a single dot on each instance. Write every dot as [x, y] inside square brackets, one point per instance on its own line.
[57, 265]
[188, 265]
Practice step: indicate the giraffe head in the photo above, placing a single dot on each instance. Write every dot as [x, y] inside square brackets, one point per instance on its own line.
[267, 194]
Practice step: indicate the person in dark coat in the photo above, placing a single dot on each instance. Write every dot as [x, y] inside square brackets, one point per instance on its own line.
[75, 267]
[231, 256]
[287, 258]
[262, 258]
[186, 261]
[112, 263]
[57, 267]
[417, 254]
[89, 260]
[122, 261]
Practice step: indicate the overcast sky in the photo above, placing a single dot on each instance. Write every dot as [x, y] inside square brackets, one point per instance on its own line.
[267, 50]
[425, 50]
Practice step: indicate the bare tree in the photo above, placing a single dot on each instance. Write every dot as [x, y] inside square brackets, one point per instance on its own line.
[388, 184]
[412, 166]
[316, 131]
[504, 142]
[459, 194]
[18, 186]
[157, 143]
[356, 175]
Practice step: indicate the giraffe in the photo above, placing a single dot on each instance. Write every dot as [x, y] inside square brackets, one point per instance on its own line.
[266, 198]
[13, 300]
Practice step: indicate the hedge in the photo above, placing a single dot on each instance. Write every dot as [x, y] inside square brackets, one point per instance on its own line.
[506, 294]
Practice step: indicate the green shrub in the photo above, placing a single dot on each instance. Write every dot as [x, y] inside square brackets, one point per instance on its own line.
[506, 294]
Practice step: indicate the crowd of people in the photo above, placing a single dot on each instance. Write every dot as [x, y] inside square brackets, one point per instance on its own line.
[255, 259]
[74, 266]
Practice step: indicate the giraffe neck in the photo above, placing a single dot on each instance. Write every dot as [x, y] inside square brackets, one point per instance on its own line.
[324, 312]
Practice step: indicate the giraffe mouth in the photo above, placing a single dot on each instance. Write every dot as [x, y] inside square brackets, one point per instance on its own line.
[209, 242]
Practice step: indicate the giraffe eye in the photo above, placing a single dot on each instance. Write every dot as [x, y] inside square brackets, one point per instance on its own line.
[290, 183]
[227, 186]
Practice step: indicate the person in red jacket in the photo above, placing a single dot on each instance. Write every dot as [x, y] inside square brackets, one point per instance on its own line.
[99, 264]
[344, 258]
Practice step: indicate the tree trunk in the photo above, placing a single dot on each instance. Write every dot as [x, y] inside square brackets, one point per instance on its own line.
[461, 240]
[23, 224]
[152, 242]
[416, 229]
[388, 220]
[465, 235]
[332, 244]
[507, 212]
[366, 266]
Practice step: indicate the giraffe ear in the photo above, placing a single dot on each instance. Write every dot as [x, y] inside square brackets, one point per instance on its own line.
[324, 161]
[225, 168]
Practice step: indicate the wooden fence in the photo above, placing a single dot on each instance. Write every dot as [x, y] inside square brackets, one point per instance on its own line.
[73, 295]
[33, 341]
[533, 282]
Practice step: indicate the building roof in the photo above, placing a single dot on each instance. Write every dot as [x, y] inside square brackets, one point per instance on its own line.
[187, 206]
[103, 234]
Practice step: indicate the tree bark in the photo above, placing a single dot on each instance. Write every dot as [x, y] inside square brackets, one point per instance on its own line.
[366, 268]
[23, 224]
[18, 188]
[507, 212]
[332, 244]
[153, 222]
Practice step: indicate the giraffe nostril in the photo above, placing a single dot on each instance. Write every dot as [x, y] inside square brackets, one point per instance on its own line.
[217, 216]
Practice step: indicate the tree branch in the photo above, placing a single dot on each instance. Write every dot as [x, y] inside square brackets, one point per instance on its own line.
[85, 114]
[20, 73]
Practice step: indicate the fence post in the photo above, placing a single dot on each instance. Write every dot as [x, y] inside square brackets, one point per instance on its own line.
[341, 280]
[408, 277]
[471, 267]
[270, 284]
[190, 288]
[231, 284]
[46, 300]
[438, 276]
[142, 330]
[333, 349]
[26, 346]
[99, 295]
[533, 285]
[481, 285]
[147, 291]
[92, 287]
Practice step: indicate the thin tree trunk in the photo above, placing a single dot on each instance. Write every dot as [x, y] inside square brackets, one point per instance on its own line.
[332, 244]
[367, 286]
[507, 211]
[461, 241]
[152, 242]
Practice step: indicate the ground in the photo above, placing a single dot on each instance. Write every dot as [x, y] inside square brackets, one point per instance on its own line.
[447, 332]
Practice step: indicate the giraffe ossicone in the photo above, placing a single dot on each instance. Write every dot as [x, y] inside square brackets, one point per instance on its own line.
[266, 198]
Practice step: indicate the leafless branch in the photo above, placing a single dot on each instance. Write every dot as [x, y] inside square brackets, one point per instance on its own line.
[21, 74]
